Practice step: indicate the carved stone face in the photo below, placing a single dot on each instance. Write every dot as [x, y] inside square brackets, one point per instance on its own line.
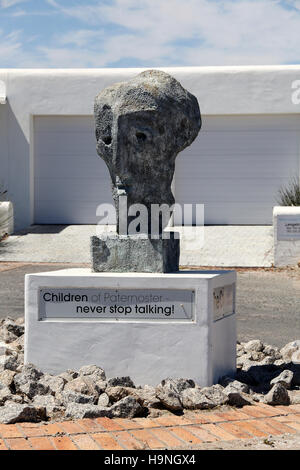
[141, 126]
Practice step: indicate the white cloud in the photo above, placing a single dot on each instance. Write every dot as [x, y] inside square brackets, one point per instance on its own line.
[10, 47]
[12, 52]
[173, 32]
[10, 3]
[80, 38]
[215, 32]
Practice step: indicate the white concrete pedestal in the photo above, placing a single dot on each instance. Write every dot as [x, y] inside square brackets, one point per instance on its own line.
[6, 218]
[286, 223]
[195, 338]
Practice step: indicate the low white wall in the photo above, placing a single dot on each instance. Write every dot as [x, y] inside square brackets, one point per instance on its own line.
[286, 223]
[6, 218]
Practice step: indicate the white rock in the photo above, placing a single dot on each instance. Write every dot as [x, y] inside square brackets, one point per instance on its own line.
[56, 384]
[194, 399]
[92, 370]
[296, 357]
[216, 394]
[83, 385]
[272, 351]
[285, 379]
[278, 395]
[169, 397]
[8, 363]
[7, 377]
[128, 407]
[254, 345]
[78, 411]
[103, 400]
[288, 350]
[14, 412]
[6, 349]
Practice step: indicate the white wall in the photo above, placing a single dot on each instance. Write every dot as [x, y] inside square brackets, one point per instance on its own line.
[3, 148]
[220, 90]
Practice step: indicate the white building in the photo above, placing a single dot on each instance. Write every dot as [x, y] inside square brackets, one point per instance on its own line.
[247, 148]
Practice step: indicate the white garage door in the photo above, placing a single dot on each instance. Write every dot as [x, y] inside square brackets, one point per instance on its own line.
[236, 166]
[70, 179]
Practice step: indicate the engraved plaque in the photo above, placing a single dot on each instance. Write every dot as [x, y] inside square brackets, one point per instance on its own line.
[121, 304]
[288, 227]
[223, 298]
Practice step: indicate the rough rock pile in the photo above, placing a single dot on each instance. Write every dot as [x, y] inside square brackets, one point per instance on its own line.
[264, 373]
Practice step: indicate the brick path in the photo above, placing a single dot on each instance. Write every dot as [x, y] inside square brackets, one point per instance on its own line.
[167, 432]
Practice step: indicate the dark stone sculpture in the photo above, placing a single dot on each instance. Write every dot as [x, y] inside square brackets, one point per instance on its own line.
[141, 126]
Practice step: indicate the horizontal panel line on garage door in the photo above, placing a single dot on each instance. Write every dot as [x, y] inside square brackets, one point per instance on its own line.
[227, 148]
[200, 150]
[81, 150]
[204, 130]
[234, 213]
[248, 131]
[235, 153]
[222, 171]
[88, 201]
[68, 155]
[246, 177]
[74, 132]
[264, 122]
[70, 178]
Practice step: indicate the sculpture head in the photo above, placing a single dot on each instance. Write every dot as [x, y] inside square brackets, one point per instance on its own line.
[141, 126]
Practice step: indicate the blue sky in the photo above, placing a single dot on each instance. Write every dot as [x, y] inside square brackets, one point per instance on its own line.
[148, 33]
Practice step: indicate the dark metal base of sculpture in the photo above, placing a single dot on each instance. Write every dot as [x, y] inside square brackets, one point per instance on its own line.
[134, 253]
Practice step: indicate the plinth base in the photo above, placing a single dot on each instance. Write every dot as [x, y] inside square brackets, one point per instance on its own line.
[147, 326]
[134, 253]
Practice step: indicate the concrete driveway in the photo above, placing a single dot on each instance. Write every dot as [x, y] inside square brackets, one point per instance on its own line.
[268, 301]
[227, 245]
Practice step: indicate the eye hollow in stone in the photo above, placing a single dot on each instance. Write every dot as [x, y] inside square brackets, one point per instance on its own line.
[107, 140]
[141, 137]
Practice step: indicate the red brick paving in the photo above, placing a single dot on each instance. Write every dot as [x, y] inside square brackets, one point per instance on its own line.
[168, 439]
[127, 441]
[124, 423]
[85, 442]
[282, 428]
[106, 441]
[2, 445]
[18, 444]
[167, 432]
[147, 438]
[109, 424]
[263, 426]
[10, 430]
[185, 435]
[146, 422]
[250, 427]
[203, 434]
[70, 427]
[235, 430]
[63, 443]
[220, 433]
[41, 443]
[39, 430]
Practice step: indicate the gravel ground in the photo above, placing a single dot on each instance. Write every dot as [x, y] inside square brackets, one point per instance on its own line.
[268, 300]
[268, 306]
